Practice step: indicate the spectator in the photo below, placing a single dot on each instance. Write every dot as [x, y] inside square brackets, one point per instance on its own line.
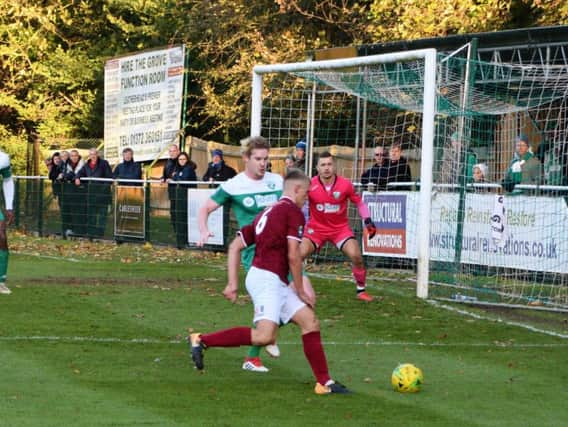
[128, 169]
[301, 155]
[64, 157]
[378, 173]
[289, 163]
[184, 171]
[217, 169]
[73, 203]
[451, 167]
[479, 177]
[54, 167]
[98, 192]
[524, 167]
[398, 169]
[167, 174]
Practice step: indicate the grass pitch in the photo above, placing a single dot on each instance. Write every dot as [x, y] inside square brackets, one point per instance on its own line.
[94, 335]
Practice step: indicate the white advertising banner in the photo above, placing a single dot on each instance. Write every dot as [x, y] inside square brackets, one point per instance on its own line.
[535, 235]
[195, 199]
[143, 102]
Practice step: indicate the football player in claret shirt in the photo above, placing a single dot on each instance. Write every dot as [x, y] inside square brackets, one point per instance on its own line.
[277, 233]
[328, 196]
[247, 194]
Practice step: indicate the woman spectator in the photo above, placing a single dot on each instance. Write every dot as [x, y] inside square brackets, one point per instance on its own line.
[73, 204]
[184, 171]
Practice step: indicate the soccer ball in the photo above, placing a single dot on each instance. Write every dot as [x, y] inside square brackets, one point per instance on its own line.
[407, 378]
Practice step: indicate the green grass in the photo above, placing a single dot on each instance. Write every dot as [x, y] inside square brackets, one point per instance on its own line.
[477, 372]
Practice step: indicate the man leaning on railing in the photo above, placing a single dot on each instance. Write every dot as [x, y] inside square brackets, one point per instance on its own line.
[98, 192]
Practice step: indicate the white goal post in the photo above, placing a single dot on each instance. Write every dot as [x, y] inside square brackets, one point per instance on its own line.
[427, 134]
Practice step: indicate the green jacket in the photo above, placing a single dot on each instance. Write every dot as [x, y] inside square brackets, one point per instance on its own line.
[525, 170]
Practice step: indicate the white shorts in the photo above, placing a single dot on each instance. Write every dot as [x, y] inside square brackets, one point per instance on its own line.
[273, 300]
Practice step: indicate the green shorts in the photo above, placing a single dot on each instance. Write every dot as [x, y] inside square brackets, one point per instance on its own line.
[2, 217]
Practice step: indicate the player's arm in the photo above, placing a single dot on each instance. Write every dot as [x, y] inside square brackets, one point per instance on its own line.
[233, 262]
[364, 213]
[202, 216]
[295, 266]
[8, 187]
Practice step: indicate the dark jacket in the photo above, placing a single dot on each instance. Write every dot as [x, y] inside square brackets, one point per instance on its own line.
[399, 171]
[128, 170]
[168, 173]
[98, 191]
[71, 170]
[187, 173]
[376, 174]
[54, 173]
[219, 172]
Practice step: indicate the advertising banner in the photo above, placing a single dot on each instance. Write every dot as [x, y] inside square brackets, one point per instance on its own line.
[129, 211]
[195, 199]
[143, 100]
[534, 236]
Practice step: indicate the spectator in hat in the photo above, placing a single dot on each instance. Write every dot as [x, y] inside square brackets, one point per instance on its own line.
[300, 155]
[217, 169]
[524, 167]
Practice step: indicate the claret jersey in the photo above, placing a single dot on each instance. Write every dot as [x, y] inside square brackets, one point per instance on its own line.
[271, 231]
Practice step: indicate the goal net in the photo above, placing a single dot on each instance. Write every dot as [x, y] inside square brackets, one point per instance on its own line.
[480, 209]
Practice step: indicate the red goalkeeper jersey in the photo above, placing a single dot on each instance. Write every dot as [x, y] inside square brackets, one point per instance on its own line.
[328, 208]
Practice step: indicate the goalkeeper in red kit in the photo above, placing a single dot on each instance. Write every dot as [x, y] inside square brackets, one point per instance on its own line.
[277, 233]
[329, 196]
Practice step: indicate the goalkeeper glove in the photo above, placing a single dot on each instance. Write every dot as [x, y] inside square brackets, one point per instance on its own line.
[370, 226]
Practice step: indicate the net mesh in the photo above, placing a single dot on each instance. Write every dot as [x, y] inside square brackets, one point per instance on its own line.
[482, 109]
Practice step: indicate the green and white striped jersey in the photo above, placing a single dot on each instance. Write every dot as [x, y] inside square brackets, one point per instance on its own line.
[247, 197]
[5, 170]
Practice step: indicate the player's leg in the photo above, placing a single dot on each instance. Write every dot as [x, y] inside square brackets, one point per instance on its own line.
[265, 289]
[264, 333]
[351, 249]
[252, 360]
[3, 256]
[309, 325]
[308, 247]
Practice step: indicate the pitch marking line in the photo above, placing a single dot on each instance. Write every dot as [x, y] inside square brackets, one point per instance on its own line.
[335, 343]
[497, 320]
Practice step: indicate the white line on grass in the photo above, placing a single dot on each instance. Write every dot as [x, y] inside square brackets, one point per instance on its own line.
[450, 308]
[498, 320]
[336, 343]
[58, 258]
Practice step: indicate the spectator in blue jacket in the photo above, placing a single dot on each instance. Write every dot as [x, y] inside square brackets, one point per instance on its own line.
[184, 171]
[98, 192]
[128, 169]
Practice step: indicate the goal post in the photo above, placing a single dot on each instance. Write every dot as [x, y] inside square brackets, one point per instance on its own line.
[476, 154]
[428, 56]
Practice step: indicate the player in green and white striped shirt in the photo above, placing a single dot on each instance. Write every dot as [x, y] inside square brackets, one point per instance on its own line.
[247, 193]
[8, 187]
